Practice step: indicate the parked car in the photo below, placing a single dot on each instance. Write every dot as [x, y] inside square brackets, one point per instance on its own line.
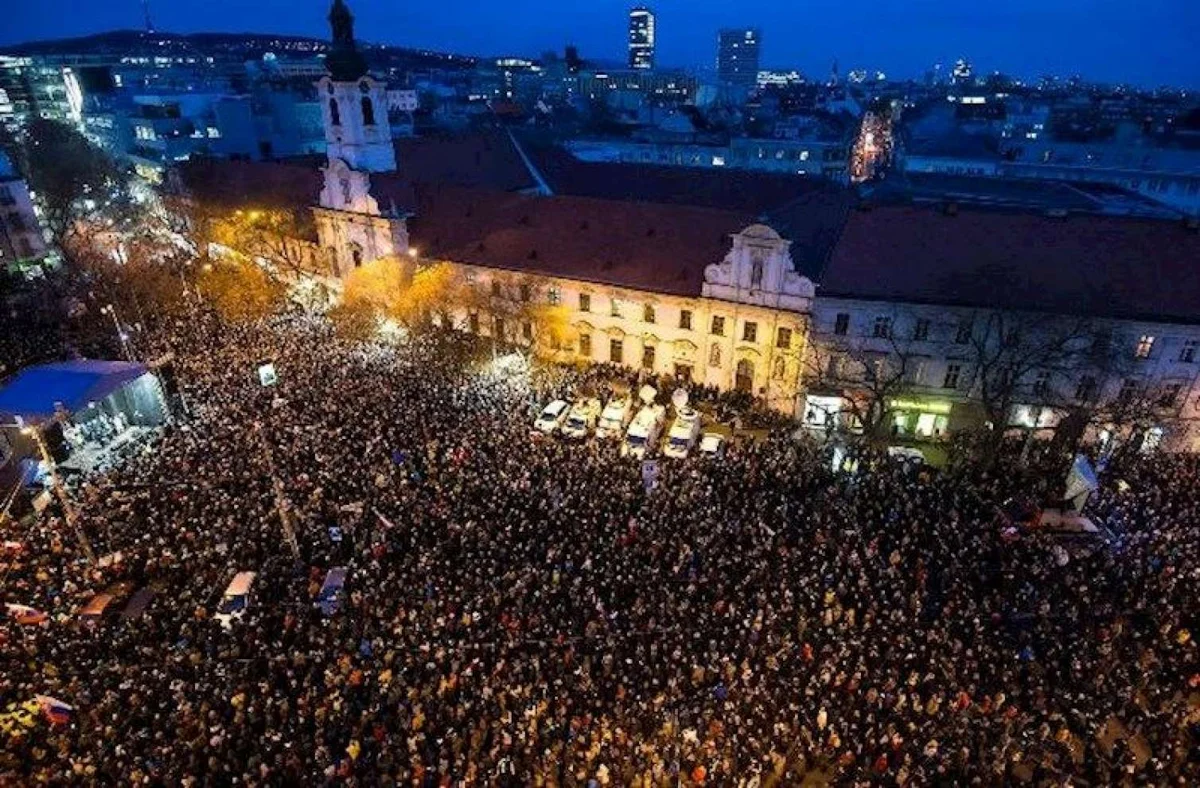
[552, 417]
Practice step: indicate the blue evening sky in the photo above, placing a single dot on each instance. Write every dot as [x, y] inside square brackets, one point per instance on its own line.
[1145, 42]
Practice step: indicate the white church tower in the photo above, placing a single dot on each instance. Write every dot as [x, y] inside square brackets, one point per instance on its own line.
[354, 105]
[358, 142]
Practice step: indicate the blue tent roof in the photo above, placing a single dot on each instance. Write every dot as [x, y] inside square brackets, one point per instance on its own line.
[31, 394]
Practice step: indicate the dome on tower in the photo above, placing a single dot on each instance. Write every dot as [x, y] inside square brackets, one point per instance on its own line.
[344, 62]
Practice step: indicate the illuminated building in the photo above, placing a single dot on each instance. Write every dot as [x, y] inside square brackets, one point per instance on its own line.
[641, 38]
[737, 56]
[21, 239]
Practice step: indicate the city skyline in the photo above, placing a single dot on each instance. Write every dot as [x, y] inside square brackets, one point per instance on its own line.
[1024, 38]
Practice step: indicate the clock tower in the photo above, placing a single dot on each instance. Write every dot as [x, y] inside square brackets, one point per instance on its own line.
[354, 105]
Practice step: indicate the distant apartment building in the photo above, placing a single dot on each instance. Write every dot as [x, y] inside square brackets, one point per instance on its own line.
[273, 120]
[1167, 176]
[737, 56]
[631, 88]
[21, 241]
[814, 156]
[642, 35]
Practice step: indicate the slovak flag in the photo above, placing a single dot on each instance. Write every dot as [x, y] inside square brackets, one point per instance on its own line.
[56, 711]
[24, 614]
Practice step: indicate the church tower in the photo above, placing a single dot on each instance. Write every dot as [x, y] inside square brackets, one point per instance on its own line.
[359, 142]
[354, 105]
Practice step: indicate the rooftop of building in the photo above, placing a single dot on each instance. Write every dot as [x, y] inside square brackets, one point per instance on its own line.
[1101, 266]
[1035, 195]
[954, 241]
[1102, 154]
[646, 246]
[748, 191]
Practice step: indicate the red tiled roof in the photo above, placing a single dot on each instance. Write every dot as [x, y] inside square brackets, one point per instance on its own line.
[487, 159]
[727, 189]
[1089, 265]
[657, 248]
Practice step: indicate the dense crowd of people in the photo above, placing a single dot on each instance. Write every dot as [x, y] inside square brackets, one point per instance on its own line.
[525, 612]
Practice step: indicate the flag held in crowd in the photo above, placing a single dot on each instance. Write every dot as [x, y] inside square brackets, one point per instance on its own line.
[24, 614]
[58, 712]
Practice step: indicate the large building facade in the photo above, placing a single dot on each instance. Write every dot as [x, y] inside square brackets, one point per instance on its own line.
[21, 240]
[914, 321]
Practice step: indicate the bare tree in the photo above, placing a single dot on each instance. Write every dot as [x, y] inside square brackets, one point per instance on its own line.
[1114, 394]
[1023, 358]
[867, 372]
[523, 307]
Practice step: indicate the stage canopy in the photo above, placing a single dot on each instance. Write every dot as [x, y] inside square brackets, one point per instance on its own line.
[33, 392]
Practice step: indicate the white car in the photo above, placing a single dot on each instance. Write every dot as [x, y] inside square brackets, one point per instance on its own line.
[643, 431]
[552, 417]
[683, 433]
[712, 444]
[582, 418]
[906, 454]
[615, 418]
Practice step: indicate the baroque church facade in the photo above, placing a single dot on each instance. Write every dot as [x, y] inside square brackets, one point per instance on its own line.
[734, 317]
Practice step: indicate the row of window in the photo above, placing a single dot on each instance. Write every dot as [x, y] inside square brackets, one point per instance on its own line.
[783, 336]
[1146, 342]
[883, 329]
[1085, 390]
[616, 351]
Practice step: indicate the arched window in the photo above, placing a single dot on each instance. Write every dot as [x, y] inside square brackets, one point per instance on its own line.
[714, 355]
[335, 114]
[356, 255]
[368, 111]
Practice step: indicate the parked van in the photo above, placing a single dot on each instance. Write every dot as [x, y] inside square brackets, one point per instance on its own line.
[615, 418]
[683, 434]
[643, 431]
[582, 418]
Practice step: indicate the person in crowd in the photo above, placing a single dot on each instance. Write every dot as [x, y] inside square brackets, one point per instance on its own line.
[524, 612]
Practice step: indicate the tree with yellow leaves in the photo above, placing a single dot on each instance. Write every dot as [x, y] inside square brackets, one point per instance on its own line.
[276, 235]
[378, 287]
[241, 291]
[393, 288]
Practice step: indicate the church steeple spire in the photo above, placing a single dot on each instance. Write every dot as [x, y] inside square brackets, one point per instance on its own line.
[344, 62]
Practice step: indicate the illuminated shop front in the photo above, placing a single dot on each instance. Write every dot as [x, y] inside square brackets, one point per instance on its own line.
[919, 418]
[822, 411]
